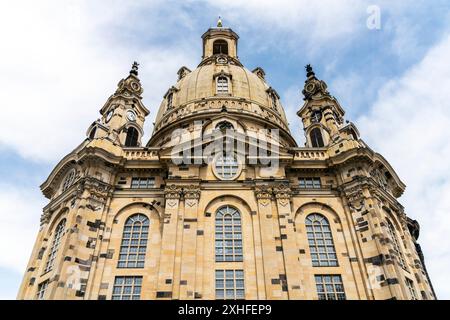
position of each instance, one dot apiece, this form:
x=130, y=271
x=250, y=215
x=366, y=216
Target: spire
x=309, y=71
x=134, y=68
x=314, y=88
x=219, y=23
x=131, y=85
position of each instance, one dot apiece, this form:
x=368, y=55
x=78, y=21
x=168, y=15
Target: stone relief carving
x=282, y=193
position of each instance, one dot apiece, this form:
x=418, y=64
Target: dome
x=220, y=84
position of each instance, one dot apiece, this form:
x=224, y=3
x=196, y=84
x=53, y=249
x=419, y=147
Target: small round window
x=226, y=167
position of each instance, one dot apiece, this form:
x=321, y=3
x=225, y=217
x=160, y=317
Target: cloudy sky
x=60, y=61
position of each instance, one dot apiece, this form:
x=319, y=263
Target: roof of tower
x=195, y=91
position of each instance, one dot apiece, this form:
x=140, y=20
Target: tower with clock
x=123, y=114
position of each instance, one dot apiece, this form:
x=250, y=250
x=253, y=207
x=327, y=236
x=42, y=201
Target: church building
x=221, y=202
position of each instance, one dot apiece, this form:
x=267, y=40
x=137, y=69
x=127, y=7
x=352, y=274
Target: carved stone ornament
x=282, y=193
x=314, y=88
x=45, y=217
x=192, y=192
x=264, y=194
x=173, y=192
x=355, y=194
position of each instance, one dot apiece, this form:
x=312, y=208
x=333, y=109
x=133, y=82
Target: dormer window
x=220, y=47
x=316, y=138
x=169, y=101
x=222, y=85
x=274, y=101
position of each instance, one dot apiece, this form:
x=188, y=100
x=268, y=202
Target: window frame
x=228, y=240
x=220, y=43
x=135, y=282
x=397, y=246
x=335, y=280
x=309, y=182
x=58, y=234
x=236, y=279
x=412, y=290
x=134, y=246
x=132, y=140
x=320, y=241
x=142, y=183
x=69, y=178
x=223, y=87
x=41, y=290
x=316, y=138
x=224, y=169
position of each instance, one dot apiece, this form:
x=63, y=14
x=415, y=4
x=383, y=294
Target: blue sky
x=60, y=62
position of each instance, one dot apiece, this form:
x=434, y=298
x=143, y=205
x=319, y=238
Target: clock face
x=109, y=116
x=135, y=86
x=131, y=115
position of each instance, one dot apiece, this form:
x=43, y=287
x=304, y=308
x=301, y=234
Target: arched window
x=320, y=239
x=220, y=47
x=224, y=125
x=396, y=244
x=228, y=235
x=134, y=242
x=222, y=85
x=92, y=133
x=316, y=138
x=58, y=233
x=68, y=180
x=132, y=137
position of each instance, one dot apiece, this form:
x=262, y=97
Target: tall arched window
x=316, y=138
x=58, y=233
x=320, y=239
x=220, y=47
x=228, y=235
x=222, y=85
x=134, y=242
x=132, y=137
x=396, y=244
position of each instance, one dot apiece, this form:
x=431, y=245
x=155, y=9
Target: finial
x=309, y=70
x=134, y=68
x=219, y=22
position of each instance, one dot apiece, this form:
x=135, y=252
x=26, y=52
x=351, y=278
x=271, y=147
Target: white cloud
x=302, y=24
x=61, y=62
x=19, y=223
x=408, y=123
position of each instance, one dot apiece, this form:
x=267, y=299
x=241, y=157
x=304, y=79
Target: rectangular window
x=127, y=288
x=142, y=183
x=330, y=287
x=230, y=284
x=412, y=291
x=222, y=85
x=41, y=290
x=309, y=183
